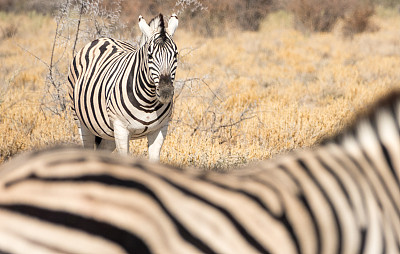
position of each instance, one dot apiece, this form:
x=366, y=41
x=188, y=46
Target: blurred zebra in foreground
x=341, y=197
x=121, y=93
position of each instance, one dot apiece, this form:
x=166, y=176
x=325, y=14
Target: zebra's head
x=161, y=54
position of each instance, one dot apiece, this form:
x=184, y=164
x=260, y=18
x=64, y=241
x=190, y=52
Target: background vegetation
x=255, y=79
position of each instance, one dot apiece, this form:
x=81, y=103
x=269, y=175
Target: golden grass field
x=247, y=96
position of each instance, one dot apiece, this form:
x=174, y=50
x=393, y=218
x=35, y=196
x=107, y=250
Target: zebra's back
x=98, y=202
x=341, y=197
x=115, y=205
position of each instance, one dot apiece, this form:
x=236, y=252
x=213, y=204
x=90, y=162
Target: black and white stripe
x=120, y=92
x=341, y=197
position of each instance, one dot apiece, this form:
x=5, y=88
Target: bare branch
x=35, y=56
x=189, y=51
x=77, y=27
x=201, y=80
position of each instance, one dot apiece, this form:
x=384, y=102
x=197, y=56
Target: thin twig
x=52, y=51
x=35, y=56
x=78, y=27
x=189, y=50
x=202, y=81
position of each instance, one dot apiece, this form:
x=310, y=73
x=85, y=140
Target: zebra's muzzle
x=165, y=89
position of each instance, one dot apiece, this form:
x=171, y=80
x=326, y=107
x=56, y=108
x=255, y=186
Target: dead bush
x=207, y=17
x=209, y=21
x=316, y=15
x=358, y=20
x=39, y=6
x=219, y=16
x=9, y=31
x=322, y=15
x=250, y=13
x=7, y=5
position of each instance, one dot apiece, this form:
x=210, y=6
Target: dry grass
x=255, y=94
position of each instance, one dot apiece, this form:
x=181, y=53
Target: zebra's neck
x=140, y=81
x=144, y=70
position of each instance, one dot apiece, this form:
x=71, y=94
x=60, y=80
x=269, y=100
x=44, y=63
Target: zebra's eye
x=150, y=56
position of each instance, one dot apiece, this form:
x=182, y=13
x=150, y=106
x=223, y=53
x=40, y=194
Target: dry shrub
x=210, y=22
x=387, y=3
x=316, y=15
x=39, y=6
x=247, y=15
x=9, y=31
x=208, y=17
x=7, y=5
x=322, y=15
x=358, y=19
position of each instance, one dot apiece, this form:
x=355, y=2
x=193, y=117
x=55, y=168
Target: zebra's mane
x=157, y=25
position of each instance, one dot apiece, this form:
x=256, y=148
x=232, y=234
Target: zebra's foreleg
x=87, y=137
x=122, y=135
x=155, y=141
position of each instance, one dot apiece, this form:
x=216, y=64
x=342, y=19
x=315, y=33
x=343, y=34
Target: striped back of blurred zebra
x=120, y=92
x=341, y=197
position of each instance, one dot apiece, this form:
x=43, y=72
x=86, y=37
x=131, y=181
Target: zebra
x=342, y=196
x=120, y=92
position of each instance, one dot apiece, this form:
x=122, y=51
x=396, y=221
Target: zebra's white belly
x=139, y=129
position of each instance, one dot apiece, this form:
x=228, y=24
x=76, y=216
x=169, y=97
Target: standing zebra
x=342, y=197
x=121, y=93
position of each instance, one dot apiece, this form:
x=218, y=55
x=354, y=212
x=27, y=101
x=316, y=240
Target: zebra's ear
x=172, y=24
x=144, y=27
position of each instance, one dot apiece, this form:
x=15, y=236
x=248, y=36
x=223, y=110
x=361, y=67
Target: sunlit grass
x=256, y=94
